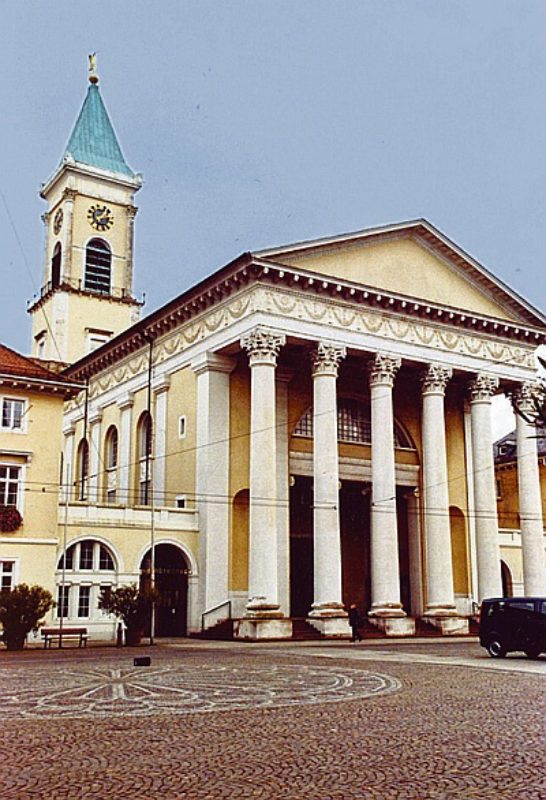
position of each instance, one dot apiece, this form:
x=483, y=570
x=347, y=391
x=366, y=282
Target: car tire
x=532, y=652
x=495, y=648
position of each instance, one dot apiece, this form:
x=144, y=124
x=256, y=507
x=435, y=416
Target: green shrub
x=21, y=611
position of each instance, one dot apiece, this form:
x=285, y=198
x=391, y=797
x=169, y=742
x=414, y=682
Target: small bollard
x=143, y=661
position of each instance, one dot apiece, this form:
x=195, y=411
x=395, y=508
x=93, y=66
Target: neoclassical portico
x=263, y=618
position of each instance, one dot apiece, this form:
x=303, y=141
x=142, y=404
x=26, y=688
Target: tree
x=21, y=611
x=132, y=605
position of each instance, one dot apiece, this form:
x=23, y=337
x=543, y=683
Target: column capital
x=161, y=384
x=212, y=362
x=263, y=345
x=382, y=369
x=69, y=194
x=69, y=429
x=482, y=388
x=126, y=401
x=527, y=398
x=326, y=358
x=95, y=416
x=435, y=378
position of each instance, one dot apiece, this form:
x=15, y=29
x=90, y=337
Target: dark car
x=513, y=623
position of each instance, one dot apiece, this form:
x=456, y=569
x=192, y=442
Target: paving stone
x=230, y=723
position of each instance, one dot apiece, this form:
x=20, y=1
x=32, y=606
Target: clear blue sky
x=261, y=122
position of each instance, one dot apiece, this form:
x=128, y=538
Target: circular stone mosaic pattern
x=141, y=691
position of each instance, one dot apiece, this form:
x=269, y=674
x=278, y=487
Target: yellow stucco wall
x=33, y=545
x=180, y=457
x=403, y=266
x=508, y=501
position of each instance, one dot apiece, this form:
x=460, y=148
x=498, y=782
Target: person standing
x=354, y=622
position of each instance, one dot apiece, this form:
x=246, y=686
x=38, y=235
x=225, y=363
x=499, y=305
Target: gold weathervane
x=93, y=77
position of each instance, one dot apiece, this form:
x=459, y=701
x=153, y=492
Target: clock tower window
x=98, y=266
x=56, y=266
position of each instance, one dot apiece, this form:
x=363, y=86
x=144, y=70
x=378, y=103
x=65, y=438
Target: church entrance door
x=171, y=582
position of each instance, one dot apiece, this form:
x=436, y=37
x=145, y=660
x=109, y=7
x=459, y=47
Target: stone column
x=440, y=606
x=327, y=613
x=212, y=478
x=125, y=405
x=160, y=389
x=482, y=388
x=68, y=476
x=283, y=490
x=96, y=467
x=69, y=195
x=530, y=502
x=128, y=272
x=386, y=611
x=263, y=619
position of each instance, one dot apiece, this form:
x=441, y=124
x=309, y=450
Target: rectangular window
x=6, y=574
x=182, y=427
x=83, y=601
x=10, y=478
x=86, y=555
x=180, y=501
x=12, y=414
x=62, y=601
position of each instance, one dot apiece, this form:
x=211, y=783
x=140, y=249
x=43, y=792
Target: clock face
x=100, y=218
x=58, y=221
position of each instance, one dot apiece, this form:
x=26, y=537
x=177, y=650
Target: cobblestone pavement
x=297, y=723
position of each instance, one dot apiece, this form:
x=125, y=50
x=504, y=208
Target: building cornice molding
x=280, y=304
x=307, y=286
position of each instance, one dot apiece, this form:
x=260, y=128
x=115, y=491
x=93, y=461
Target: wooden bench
x=49, y=634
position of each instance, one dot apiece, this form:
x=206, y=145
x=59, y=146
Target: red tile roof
x=12, y=363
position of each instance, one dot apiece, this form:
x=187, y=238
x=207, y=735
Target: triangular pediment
x=411, y=259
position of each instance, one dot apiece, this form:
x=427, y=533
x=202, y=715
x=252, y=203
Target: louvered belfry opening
x=98, y=266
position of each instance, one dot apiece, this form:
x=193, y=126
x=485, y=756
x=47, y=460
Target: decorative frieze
x=326, y=358
x=312, y=309
x=435, y=379
x=263, y=345
x=383, y=368
x=482, y=388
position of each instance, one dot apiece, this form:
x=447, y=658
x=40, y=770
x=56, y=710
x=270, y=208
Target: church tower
x=86, y=296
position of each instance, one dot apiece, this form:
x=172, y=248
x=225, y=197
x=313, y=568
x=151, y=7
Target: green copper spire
x=93, y=140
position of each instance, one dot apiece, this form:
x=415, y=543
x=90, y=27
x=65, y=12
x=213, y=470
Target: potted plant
x=21, y=611
x=132, y=605
x=10, y=519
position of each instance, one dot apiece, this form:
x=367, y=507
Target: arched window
x=98, y=266
x=82, y=470
x=353, y=425
x=111, y=464
x=144, y=453
x=56, y=266
x=89, y=567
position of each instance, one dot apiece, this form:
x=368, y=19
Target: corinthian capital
x=435, y=378
x=482, y=388
x=528, y=398
x=383, y=368
x=326, y=358
x=263, y=345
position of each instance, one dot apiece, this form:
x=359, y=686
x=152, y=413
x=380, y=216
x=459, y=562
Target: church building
x=307, y=428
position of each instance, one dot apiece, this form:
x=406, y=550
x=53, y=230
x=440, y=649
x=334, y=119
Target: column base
x=260, y=608
x=448, y=625
x=331, y=627
x=256, y=629
x=386, y=611
x=394, y=626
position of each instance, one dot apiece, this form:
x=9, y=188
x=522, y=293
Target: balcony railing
x=78, y=285
x=110, y=515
